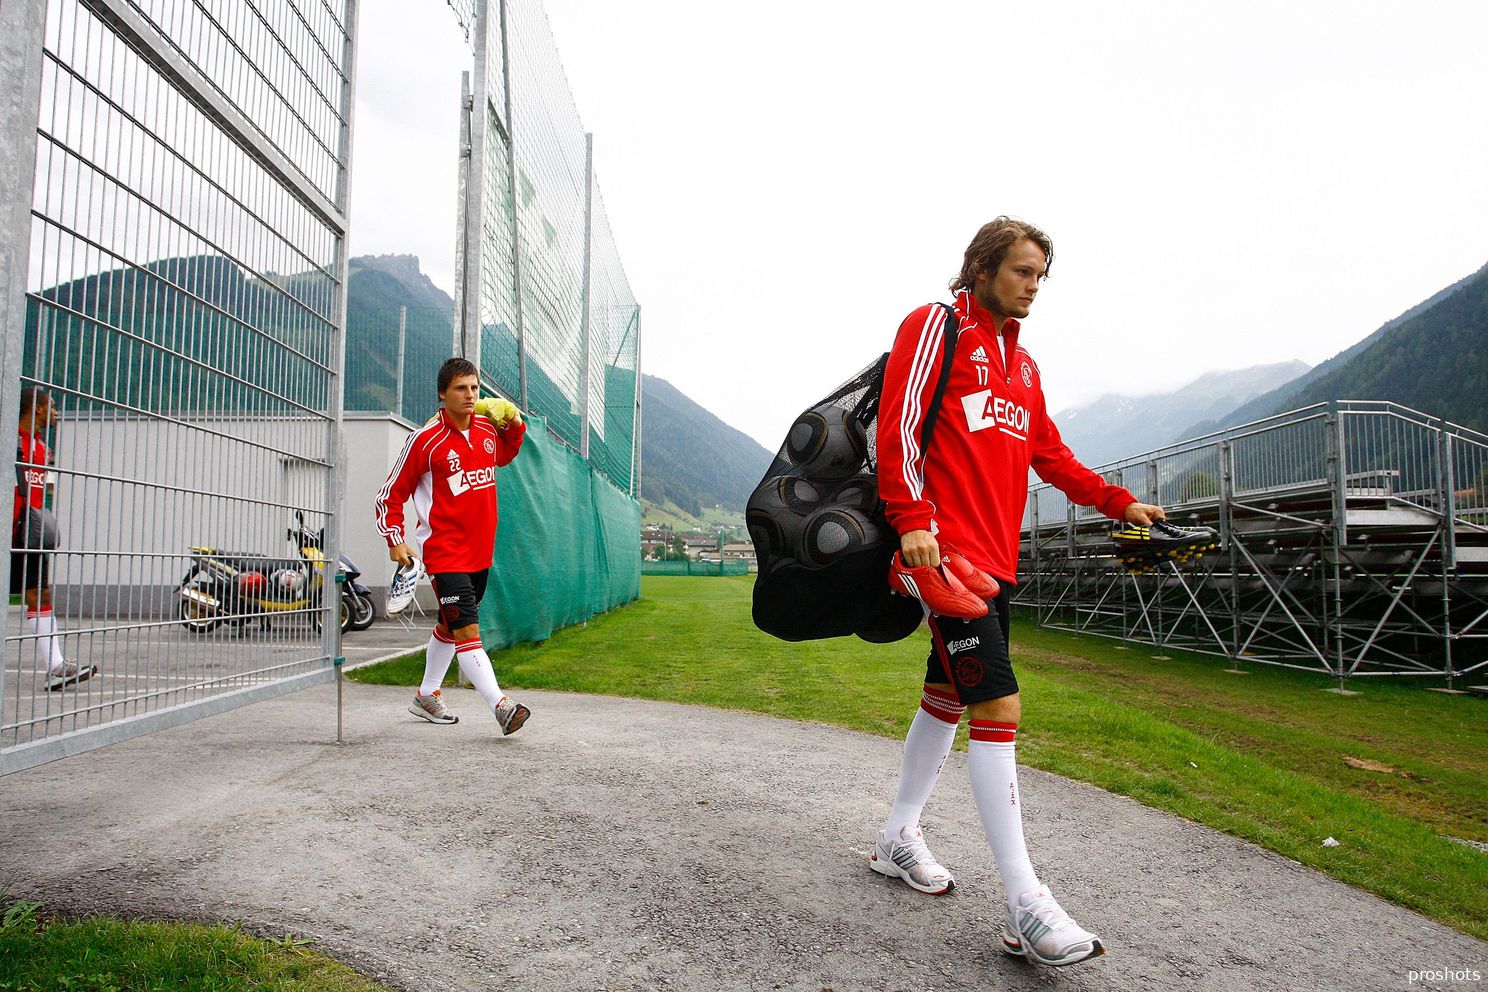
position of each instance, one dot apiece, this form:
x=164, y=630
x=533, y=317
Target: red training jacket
x=971, y=486
x=33, y=450
x=453, y=485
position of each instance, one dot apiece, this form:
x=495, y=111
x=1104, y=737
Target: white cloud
x=787, y=180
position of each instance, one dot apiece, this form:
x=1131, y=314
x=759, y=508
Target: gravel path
x=615, y=844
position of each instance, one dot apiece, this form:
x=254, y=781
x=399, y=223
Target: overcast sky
x=786, y=180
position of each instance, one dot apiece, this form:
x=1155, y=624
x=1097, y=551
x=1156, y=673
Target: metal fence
x=544, y=305
x=176, y=174
x=393, y=356
x=1356, y=543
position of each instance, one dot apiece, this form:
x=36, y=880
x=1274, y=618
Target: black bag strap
x=948, y=351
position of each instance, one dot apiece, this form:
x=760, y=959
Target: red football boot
x=976, y=581
x=937, y=588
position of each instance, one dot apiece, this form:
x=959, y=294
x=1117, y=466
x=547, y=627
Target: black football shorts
x=459, y=596
x=972, y=655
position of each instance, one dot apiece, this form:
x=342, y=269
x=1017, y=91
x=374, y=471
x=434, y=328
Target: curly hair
x=453, y=369
x=990, y=247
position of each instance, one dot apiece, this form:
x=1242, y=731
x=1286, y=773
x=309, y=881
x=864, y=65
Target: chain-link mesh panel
x=553, y=355
x=375, y=340
x=181, y=319
x=615, y=351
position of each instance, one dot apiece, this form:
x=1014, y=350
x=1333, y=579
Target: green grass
x=1260, y=756
x=101, y=954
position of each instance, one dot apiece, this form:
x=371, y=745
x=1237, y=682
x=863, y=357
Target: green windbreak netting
x=568, y=544
x=695, y=568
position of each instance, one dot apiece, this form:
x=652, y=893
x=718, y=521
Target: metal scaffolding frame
x=1355, y=543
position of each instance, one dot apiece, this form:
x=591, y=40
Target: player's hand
x=919, y=548
x=401, y=553
x=1143, y=514
x=501, y=412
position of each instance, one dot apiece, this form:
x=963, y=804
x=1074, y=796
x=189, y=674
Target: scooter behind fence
x=226, y=587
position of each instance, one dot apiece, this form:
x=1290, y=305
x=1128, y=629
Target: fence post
x=586, y=296
x=1446, y=472
x=1338, y=488
x=511, y=198
x=21, y=24
x=474, y=98
x=1227, y=538
x=402, y=350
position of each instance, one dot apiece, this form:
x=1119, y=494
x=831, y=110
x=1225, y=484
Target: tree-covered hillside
x=1433, y=358
x=692, y=458
x=1435, y=361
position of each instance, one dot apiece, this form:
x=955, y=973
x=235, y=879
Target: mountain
x=390, y=282
x=690, y=457
x=189, y=333
x=1115, y=426
x=377, y=286
x=1433, y=358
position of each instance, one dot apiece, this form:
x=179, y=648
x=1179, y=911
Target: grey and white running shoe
x=510, y=714
x=907, y=857
x=69, y=674
x=1040, y=930
x=432, y=708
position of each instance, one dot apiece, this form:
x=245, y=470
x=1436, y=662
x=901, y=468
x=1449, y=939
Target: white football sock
x=477, y=668
x=43, y=623
x=437, y=658
x=931, y=734
x=992, y=762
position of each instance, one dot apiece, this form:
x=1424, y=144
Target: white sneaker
x=431, y=708
x=68, y=674
x=511, y=715
x=1042, y=931
x=404, y=585
x=907, y=857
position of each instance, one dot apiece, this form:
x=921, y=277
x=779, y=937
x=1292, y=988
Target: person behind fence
x=448, y=468
x=33, y=538
x=966, y=491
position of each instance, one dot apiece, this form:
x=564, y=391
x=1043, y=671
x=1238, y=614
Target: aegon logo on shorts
x=984, y=410
x=35, y=476
x=444, y=600
x=480, y=478
x=965, y=644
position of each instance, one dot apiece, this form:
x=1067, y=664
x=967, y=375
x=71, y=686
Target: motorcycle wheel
x=316, y=614
x=362, y=612
x=197, y=618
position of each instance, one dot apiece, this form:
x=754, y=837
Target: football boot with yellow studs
x=1142, y=549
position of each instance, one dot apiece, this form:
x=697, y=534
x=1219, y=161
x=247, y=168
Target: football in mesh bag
x=827, y=442
x=800, y=495
x=765, y=534
x=773, y=517
x=859, y=492
x=831, y=534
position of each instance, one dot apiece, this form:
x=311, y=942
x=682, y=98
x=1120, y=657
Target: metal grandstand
x=1355, y=543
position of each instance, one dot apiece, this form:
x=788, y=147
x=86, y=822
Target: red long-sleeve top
x=31, y=450
x=971, y=485
x=452, y=481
